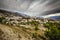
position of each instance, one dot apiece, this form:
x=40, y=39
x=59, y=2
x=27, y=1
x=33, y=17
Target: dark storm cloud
x=54, y=6
x=44, y=7
x=32, y=7
x=52, y=11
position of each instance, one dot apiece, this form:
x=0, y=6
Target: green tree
x=53, y=32
x=36, y=23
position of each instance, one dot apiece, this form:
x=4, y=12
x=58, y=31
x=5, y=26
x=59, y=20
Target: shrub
x=1, y=18
x=36, y=25
x=35, y=36
x=53, y=32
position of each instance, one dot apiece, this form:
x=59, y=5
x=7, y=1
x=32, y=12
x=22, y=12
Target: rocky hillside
x=14, y=33
x=17, y=27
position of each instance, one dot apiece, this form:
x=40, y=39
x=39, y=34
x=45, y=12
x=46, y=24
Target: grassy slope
x=14, y=33
x=18, y=33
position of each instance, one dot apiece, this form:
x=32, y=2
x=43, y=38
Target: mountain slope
x=9, y=13
x=13, y=33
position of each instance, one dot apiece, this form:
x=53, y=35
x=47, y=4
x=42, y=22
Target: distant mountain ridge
x=55, y=16
x=14, y=13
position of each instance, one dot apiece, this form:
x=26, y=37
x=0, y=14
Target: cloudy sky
x=32, y=7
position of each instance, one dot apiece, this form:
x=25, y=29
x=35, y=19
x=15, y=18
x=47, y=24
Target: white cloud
x=30, y=7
